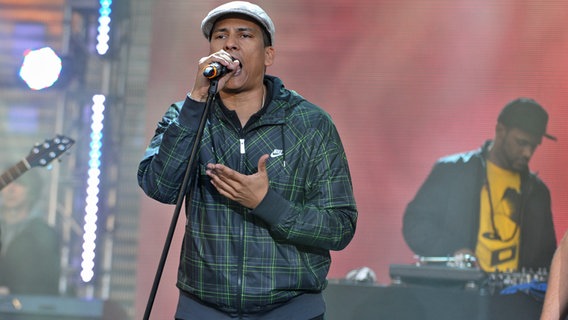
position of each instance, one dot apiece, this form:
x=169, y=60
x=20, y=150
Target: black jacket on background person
x=444, y=215
x=30, y=262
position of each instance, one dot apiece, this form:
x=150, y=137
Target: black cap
x=526, y=114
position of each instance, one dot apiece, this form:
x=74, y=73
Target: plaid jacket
x=242, y=260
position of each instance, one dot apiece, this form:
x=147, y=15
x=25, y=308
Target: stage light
x=93, y=190
x=40, y=68
x=103, y=37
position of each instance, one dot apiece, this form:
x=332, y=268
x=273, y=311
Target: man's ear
x=269, y=55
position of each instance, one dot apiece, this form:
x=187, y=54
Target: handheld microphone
x=215, y=70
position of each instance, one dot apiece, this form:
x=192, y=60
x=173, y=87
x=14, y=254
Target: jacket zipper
x=242, y=234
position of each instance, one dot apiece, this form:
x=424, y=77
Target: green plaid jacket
x=242, y=260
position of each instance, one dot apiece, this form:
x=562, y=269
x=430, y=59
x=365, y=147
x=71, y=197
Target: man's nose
x=231, y=43
x=528, y=151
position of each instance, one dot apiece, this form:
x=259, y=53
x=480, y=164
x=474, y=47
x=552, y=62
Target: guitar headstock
x=43, y=153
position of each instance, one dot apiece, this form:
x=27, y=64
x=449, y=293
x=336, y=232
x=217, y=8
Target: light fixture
x=41, y=68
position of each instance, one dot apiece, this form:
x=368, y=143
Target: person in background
x=272, y=194
x=30, y=253
x=556, y=299
x=486, y=202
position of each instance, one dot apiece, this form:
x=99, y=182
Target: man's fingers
x=222, y=185
x=262, y=163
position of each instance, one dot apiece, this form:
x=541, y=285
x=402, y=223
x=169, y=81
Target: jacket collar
x=272, y=113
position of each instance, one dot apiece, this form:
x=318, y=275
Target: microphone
x=215, y=70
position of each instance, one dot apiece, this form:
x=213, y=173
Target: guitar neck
x=13, y=173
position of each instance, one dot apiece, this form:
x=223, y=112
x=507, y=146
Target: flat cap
x=238, y=7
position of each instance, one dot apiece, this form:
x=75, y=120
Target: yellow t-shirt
x=498, y=239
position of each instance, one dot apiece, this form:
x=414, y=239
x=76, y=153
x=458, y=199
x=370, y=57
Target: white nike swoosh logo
x=276, y=153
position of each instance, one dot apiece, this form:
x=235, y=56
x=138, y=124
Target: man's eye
x=524, y=143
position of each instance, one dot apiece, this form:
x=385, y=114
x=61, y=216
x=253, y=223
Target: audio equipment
x=39, y=307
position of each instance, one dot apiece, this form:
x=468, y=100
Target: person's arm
x=326, y=217
x=162, y=168
x=556, y=300
x=540, y=240
x=433, y=222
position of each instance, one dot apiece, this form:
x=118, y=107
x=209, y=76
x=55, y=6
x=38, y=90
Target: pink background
x=405, y=81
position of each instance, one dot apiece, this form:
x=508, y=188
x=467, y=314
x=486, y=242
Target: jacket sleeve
x=326, y=217
x=442, y=217
x=538, y=236
x=163, y=166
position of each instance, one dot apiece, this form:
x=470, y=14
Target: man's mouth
x=239, y=68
